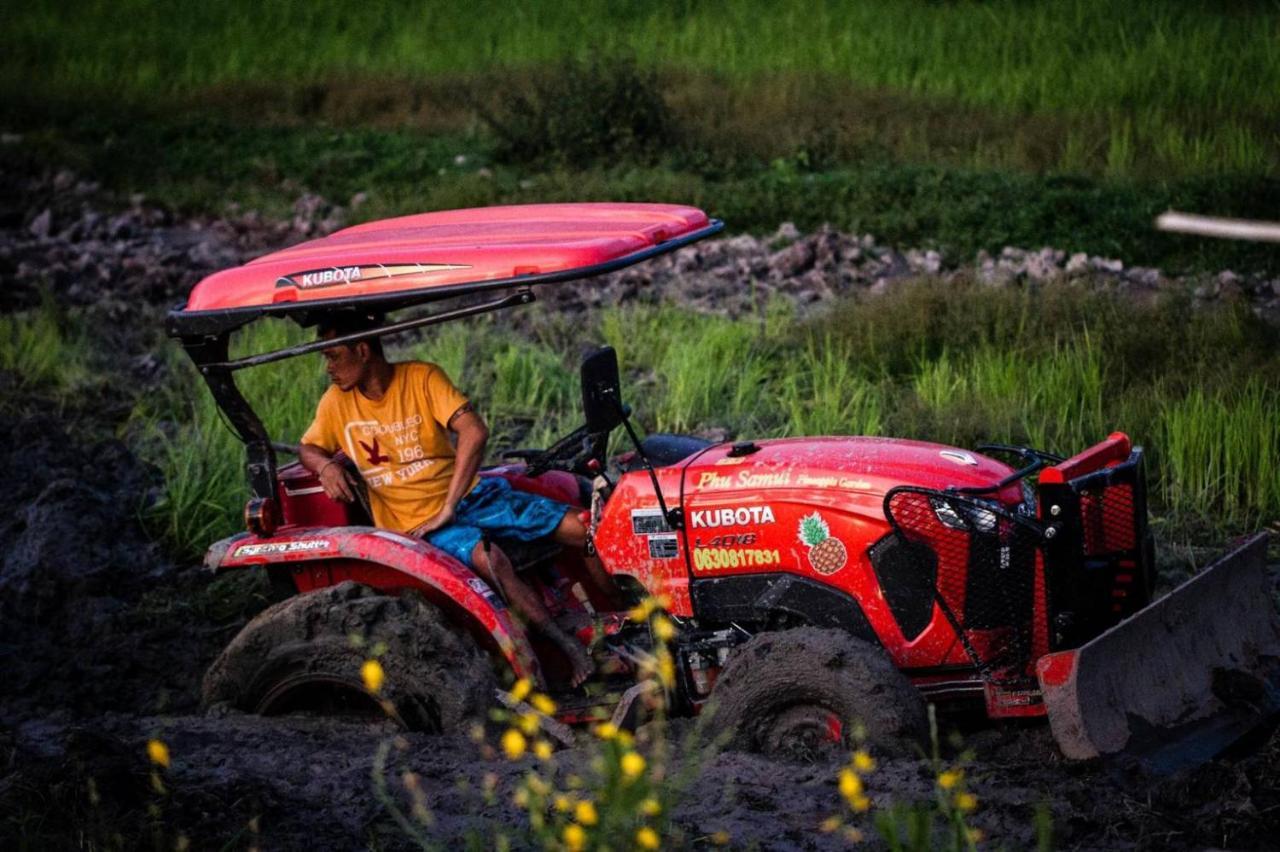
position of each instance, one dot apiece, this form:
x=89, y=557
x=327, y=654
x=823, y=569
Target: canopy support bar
x=210, y=356
x=521, y=297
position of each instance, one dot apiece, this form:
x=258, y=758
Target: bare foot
x=579, y=660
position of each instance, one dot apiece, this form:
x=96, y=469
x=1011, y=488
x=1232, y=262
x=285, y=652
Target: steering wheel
x=570, y=453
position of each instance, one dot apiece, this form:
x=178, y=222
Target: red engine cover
x=807, y=506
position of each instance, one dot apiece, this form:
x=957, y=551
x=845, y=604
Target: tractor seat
x=664, y=450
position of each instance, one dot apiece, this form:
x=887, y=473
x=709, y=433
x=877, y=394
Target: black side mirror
x=601, y=393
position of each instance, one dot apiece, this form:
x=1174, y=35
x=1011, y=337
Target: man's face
x=346, y=365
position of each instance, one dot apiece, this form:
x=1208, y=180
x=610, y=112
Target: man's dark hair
x=342, y=323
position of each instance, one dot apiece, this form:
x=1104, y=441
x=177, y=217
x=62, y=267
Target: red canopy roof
x=436, y=255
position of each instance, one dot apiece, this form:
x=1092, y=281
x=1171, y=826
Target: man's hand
x=433, y=523
x=337, y=482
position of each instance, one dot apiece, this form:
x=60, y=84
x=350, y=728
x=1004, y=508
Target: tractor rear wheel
x=800, y=695
x=300, y=656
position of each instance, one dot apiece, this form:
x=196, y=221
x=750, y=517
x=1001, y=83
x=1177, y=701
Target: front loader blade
x=1181, y=679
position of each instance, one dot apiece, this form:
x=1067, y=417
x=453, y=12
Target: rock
x=787, y=233
x=1043, y=265
x=41, y=225
x=1228, y=287
x=1103, y=264
x=1143, y=276
x=1078, y=264
x=793, y=260
x=928, y=262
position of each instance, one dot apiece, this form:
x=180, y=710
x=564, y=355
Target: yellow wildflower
x=574, y=837
x=647, y=838
x=861, y=804
x=666, y=670
x=632, y=765
x=663, y=629
x=521, y=798
x=966, y=801
x=543, y=704
x=950, y=778
x=974, y=834
x=625, y=739
x=542, y=749
x=514, y=744
x=651, y=807
x=521, y=689
x=528, y=723
x=158, y=752
x=642, y=610
x=863, y=762
x=830, y=824
x=606, y=731
x=585, y=813
x=372, y=675
x=720, y=838
x=563, y=804
x=850, y=784
x=853, y=835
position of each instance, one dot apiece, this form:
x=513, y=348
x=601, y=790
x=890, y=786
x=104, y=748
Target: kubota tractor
x=814, y=582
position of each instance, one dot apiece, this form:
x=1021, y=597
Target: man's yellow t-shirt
x=400, y=443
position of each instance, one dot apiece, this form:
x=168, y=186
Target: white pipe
x=1214, y=226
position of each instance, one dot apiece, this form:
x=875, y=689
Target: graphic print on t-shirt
x=372, y=453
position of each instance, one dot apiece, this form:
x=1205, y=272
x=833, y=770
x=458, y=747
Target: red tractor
x=812, y=581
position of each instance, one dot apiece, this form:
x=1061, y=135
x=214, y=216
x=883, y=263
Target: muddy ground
x=104, y=638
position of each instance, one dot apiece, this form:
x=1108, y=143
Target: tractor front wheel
x=306, y=653
x=802, y=694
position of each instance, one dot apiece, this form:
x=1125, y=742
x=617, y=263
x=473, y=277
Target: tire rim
x=805, y=733
x=325, y=695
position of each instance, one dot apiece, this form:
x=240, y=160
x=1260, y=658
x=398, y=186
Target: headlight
x=963, y=515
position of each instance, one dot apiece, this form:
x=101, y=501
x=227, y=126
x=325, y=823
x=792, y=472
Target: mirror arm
x=674, y=517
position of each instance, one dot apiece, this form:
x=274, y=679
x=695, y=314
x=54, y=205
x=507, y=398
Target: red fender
x=387, y=561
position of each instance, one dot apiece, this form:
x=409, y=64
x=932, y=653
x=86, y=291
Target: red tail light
x=261, y=516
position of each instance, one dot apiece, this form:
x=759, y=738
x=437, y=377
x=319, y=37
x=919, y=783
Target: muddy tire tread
x=436, y=677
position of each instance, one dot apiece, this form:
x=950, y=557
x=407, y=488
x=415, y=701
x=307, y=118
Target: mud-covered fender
x=318, y=557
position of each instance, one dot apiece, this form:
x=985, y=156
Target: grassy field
x=961, y=125
x=1194, y=85
x=963, y=366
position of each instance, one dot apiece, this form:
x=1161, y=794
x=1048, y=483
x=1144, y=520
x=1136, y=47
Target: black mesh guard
x=1100, y=559
x=986, y=558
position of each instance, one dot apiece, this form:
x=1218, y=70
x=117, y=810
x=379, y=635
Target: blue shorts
x=496, y=509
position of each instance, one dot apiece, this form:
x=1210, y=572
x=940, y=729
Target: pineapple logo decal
x=827, y=555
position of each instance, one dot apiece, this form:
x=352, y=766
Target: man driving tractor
x=394, y=420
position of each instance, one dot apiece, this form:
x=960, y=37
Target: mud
x=103, y=640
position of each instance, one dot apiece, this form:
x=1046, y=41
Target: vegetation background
x=956, y=125
x=960, y=125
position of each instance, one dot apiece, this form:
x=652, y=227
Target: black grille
x=986, y=561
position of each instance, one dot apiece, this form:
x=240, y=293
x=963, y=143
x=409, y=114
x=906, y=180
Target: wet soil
x=104, y=640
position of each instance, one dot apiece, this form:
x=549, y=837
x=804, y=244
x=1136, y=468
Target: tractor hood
x=866, y=466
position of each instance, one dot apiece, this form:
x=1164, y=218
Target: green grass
x=958, y=364
x=45, y=349
x=1142, y=88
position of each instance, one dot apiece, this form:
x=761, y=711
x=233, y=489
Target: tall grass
x=962, y=365
x=1222, y=445
x=45, y=347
